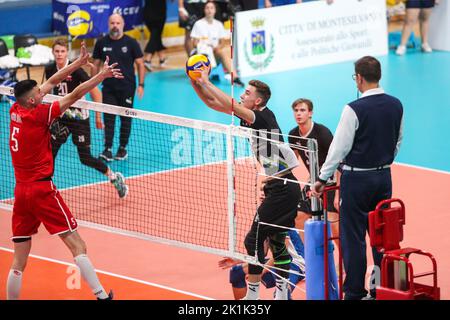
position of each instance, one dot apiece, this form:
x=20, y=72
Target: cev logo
x=126, y=11
x=79, y=23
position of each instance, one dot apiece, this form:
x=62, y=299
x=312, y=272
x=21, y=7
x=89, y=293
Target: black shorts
x=79, y=128
x=305, y=203
x=279, y=206
x=196, y=12
x=420, y=4
x=243, y=5
x=121, y=98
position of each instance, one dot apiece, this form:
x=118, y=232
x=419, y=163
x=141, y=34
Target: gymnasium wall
x=35, y=16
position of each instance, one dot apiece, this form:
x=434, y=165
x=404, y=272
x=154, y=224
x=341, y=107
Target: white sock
x=281, y=292
x=14, y=284
x=111, y=175
x=252, y=291
x=89, y=275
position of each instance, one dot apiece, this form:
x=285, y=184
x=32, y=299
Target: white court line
x=6, y=207
x=421, y=168
x=116, y=275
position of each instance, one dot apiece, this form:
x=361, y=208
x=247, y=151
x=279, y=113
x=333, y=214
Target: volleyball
x=196, y=62
x=79, y=23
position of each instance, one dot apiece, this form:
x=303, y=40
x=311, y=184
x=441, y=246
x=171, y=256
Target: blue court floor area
x=420, y=81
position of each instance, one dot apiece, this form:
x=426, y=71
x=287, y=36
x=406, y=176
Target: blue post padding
x=268, y=279
x=314, y=259
x=395, y=37
x=237, y=277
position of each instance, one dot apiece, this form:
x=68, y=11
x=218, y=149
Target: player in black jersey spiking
x=279, y=206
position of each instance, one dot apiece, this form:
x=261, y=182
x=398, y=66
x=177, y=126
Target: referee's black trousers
x=121, y=98
x=360, y=192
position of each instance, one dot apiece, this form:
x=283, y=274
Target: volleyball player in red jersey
x=36, y=198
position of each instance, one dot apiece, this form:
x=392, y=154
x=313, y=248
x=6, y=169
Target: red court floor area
x=133, y=265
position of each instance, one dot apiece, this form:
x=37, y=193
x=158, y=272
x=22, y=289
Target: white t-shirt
x=209, y=33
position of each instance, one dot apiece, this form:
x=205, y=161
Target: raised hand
x=204, y=74
x=110, y=71
x=83, y=58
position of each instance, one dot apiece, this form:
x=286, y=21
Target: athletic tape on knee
x=237, y=277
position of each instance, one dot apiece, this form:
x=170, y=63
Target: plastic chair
x=3, y=48
x=7, y=76
x=396, y=37
x=24, y=41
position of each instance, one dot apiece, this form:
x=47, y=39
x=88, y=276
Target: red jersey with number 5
x=29, y=142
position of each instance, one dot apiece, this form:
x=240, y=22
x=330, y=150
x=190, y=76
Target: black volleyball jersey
x=68, y=85
x=323, y=136
x=268, y=143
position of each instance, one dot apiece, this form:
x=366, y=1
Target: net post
x=231, y=192
x=314, y=172
x=325, y=245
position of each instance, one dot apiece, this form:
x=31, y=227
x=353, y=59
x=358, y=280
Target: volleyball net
x=191, y=183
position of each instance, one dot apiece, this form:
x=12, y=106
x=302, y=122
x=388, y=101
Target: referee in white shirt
x=367, y=139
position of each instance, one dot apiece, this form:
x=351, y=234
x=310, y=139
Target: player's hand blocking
x=110, y=71
x=83, y=58
x=204, y=74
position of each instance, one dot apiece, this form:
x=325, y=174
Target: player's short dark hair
x=262, y=90
x=305, y=101
x=369, y=68
x=60, y=42
x=23, y=87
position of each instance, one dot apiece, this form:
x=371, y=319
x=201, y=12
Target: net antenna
x=232, y=67
x=230, y=156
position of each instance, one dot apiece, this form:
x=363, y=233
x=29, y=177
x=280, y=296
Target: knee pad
x=279, y=250
x=268, y=279
x=250, y=245
x=237, y=277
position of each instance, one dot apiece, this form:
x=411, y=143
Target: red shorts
x=37, y=202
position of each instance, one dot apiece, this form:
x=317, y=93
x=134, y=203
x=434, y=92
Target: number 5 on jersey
x=14, y=142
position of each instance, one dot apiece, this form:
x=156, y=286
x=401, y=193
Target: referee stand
x=397, y=274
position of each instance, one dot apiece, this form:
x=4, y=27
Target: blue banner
x=90, y=20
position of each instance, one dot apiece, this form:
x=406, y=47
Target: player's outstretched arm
x=62, y=74
x=96, y=96
x=108, y=71
x=218, y=100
